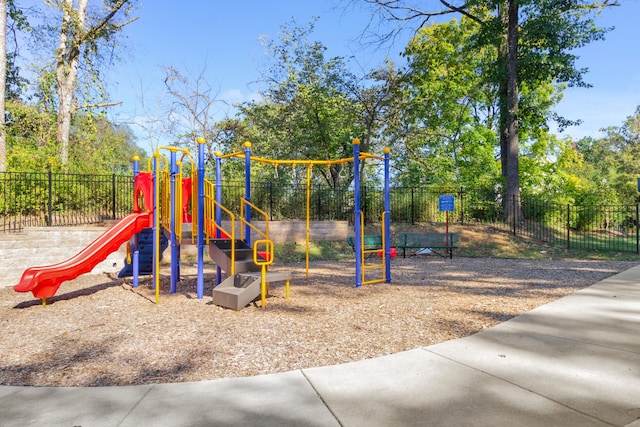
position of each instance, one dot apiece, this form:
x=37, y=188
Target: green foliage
x=311, y=108
x=612, y=161
x=448, y=132
x=30, y=138
x=98, y=146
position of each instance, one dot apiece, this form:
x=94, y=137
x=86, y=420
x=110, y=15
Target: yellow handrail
x=264, y=234
x=165, y=199
x=263, y=263
x=210, y=223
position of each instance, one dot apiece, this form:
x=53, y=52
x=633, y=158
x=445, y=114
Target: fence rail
x=45, y=199
x=48, y=199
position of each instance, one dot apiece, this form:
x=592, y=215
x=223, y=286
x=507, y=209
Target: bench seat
x=371, y=242
x=431, y=240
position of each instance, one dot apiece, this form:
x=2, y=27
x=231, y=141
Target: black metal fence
x=47, y=199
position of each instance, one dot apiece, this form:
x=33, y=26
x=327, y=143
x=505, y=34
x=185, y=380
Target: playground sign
x=446, y=203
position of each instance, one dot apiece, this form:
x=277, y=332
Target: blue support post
x=356, y=220
x=387, y=210
x=247, y=191
x=135, y=258
x=200, y=280
x=218, y=211
x=175, y=255
x=156, y=222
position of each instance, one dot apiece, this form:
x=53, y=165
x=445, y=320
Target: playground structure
x=164, y=201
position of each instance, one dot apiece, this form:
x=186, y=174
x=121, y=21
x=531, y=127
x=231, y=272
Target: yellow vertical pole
x=263, y=289
x=308, y=224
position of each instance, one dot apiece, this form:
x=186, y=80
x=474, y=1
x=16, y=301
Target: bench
x=372, y=242
x=431, y=241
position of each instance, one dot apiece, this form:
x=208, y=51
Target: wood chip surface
x=99, y=331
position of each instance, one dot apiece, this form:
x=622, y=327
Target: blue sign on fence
x=446, y=202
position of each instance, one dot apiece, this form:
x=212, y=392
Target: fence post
x=637, y=237
x=364, y=205
x=113, y=196
x=271, y=200
x=568, y=226
x=413, y=218
x=461, y=206
x=50, y=201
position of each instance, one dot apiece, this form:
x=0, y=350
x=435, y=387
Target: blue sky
x=222, y=38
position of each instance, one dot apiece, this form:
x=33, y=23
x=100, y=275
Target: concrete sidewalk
x=573, y=362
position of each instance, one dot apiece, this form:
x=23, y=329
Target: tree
x=313, y=106
x=81, y=32
x=613, y=159
x=31, y=138
x=536, y=47
x=448, y=125
x=3, y=83
x=194, y=106
x=9, y=78
x=100, y=146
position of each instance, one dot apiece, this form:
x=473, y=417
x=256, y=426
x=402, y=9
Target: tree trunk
x=503, y=49
x=3, y=84
x=67, y=57
x=512, y=206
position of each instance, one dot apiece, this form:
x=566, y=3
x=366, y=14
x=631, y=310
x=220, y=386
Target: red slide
x=44, y=281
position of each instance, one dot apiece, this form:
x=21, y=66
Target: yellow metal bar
x=370, y=156
x=194, y=206
x=294, y=162
x=268, y=244
x=308, y=220
x=177, y=208
x=230, y=233
x=301, y=162
x=364, y=252
x=209, y=198
x=263, y=234
x=226, y=156
x=156, y=154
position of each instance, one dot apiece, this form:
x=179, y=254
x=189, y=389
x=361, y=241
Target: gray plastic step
x=241, y=289
x=220, y=253
x=237, y=291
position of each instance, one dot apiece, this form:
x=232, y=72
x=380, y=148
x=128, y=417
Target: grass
x=475, y=242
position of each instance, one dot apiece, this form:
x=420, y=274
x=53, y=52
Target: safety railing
x=263, y=259
x=245, y=204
